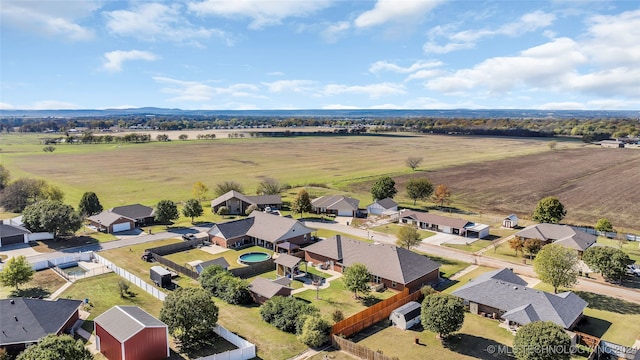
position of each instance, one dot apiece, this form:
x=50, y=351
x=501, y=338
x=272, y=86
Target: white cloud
x=395, y=10
x=567, y=105
x=289, y=85
x=605, y=104
x=372, y=90
x=159, y=22
x=334, y=31
x=114, y=59
x=340, y=107
x=49, y=18
x=615, y=39
x=53, y=105
x=5, y=106
x=261, y=12
x=379, y=66
x=276, y=73
x=434, y=48
x=184, y=90
x=424, y=74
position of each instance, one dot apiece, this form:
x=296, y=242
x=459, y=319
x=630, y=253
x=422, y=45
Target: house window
x=375, y=279
x=393, y=284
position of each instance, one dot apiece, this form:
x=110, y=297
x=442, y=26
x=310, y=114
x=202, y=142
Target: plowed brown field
x=590, y=182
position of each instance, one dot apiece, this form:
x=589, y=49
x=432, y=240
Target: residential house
x=454, y=226
x=262, y=289
x=25, y=321
x=238, y=203
x=271, y=231
x=383, y=207
x=614, y=144
x=338, y=205
x=563, y=235
x=12, y=234
x=406, y=316
x=130, y=333
x=501, y=294
x=109, y=222
x=142, y=215
x=390, y=266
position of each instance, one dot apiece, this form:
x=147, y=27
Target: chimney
x=339, y=246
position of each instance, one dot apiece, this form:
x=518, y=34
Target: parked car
x=187, y=237
x=633, y=269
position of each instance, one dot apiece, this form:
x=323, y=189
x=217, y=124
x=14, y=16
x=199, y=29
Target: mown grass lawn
x=448, y=266
x=505, y=252
x=632, y=248
x=466, y=277
x=394, y=229
x=471, y=247
x=44, y=283
x=475, y=340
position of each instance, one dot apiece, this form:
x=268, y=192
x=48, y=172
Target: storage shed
x=406, y=316
x=510, y=221
x=130, y=333
x=160, y=276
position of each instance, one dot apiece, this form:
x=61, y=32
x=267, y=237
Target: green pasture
x=146, y=173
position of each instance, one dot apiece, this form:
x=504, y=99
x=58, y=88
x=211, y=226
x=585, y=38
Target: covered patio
x=288, y=266
x=286, y=247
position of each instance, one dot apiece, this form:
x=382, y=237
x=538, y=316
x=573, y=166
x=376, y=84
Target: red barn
x=130, y=333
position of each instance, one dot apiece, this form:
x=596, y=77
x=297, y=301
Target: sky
x=320, y=54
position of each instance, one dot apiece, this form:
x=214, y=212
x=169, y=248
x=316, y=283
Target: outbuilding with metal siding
x=130, y=333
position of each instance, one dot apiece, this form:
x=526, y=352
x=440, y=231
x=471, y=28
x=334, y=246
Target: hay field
x=146, y=173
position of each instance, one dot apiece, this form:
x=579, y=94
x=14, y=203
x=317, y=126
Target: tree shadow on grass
x=477, y=347
x=607, y=303
x=369, y=300
x=593, y=326
x=63, y=243
x=34, y=292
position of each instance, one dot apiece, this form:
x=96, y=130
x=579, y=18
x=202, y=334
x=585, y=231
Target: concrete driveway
x=17, y=250
x=442, y=238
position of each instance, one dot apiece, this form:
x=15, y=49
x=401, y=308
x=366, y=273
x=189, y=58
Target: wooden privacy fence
x=360, y=351
x=253, y=269
x=373, y=314
x=175, y=266
x=174, y=248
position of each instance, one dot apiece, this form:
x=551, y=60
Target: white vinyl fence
x=132, y=278
x=245, y=350
x=45, y=264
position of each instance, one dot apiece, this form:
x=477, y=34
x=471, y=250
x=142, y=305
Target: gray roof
x=265, y=287
x=507, y=292
x=222, y=262
x=35, y=318
x=107, y=218
x=336, y=202
x=410, y=310
x=11, y=230
x=249, y=199
x=287, y=260
x=386, y=203
x=123, y=322
x=387, y=261
x=134, y=211
x=160, y=270
x=264, y=226
x=434, y=219
x=564, y=235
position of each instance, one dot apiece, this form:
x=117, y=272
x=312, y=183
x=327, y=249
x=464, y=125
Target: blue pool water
x=254, y=257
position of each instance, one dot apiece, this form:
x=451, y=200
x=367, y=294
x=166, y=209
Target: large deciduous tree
x=269, y=186
x=287, y=313
x=166, y=211
x=442, y=314
x=89, y=204
x=356, y=278
x=301, y=203
x=315, y=331
x=442, y=195
x=419, y=189
x=51, y=216
x=4, y=177
x=557, y=265
x=191, y=315
x=192, y=209
x=532, y=246
x=226, y=186
x=610, y=262
x=516, y=243
x=604, y=225
x=200, y=191
x=383, y=188
x=542, y=340
x=56, y=347
x=21, y=193
x=413, y=162
x=549, y=210
x=408, y=237
x=16, y=271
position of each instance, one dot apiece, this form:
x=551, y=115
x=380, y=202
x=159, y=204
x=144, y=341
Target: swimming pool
x=254, y=257
x=72, y=269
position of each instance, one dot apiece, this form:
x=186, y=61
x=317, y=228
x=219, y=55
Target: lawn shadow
x=369, y=300
x=445, y=284
x=477, y=347
x=607, y=303
x=59, y=244
x=34, y=292
x=371, y=330
x=593, y=326
x=441, y=260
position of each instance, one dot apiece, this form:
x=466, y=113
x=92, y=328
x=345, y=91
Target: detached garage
x=130, y=333
x=406, y=316
x=11, y=234
x=111, y=222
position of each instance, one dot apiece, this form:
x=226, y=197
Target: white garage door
x=121, y=227
x=345, y=213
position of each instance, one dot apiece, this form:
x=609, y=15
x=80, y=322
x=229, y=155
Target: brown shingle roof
x=563, y=235
x=435, y=219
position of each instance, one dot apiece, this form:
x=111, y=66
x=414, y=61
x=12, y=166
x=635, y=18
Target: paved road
x=443, y=251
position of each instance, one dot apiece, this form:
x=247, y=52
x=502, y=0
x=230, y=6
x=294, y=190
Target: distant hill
x=352, y=114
